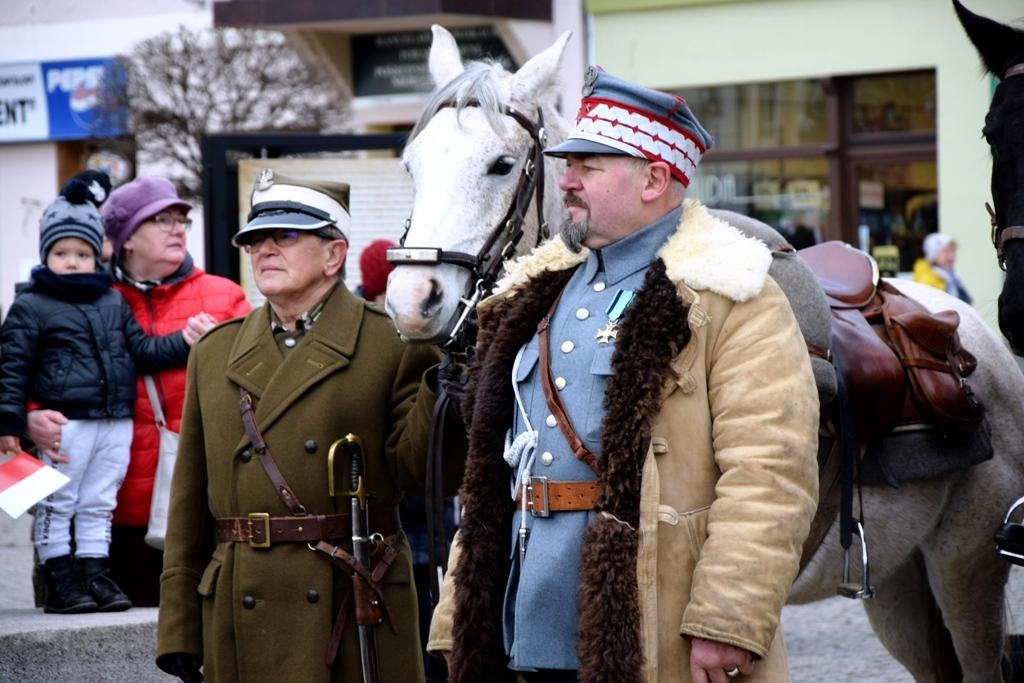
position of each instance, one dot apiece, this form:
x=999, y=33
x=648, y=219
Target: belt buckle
x=262, y=518
x=544, y=508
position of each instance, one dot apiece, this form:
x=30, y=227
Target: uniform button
x=599, y=286
x=560, y=383
x=582, y=314
x=567, y=346
x=551, y=421
x=248, y=602
x=311, y=446
x=546, y=459
x=312, y=595
x=289, y=342
x=245, y=456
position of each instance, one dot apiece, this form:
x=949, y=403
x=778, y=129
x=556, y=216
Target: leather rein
x=504, y=237
x=1000, y=236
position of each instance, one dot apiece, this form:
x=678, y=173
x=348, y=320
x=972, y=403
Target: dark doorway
x=221, y=154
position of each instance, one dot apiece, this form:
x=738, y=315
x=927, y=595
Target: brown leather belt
x=259, y=529
x=544, y=497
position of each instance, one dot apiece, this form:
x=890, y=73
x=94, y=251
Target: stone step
x=70, y=648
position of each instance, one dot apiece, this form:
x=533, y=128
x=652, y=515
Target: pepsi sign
x=56, y=101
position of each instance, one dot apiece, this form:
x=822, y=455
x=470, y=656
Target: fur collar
x=704, y=253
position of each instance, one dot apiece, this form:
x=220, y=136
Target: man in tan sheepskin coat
x=650, y=391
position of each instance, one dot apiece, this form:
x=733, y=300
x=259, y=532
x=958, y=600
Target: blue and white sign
x=55, y=101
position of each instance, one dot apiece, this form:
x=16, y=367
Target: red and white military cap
x=619, y=117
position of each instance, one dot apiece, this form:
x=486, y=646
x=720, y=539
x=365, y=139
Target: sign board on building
x=55, y=101
x=396, y=63
x=888, y=258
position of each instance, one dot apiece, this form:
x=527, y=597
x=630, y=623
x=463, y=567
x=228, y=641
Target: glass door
x=897, y=205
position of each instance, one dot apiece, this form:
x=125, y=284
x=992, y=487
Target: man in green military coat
x=244, y=594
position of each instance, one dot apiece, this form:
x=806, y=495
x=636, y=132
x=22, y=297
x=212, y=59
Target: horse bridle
x=485, y=266
x=1000, y=236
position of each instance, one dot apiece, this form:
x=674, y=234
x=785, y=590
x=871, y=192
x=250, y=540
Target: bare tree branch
x=184, y=84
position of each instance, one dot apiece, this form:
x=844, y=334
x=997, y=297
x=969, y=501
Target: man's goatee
x=572, y=234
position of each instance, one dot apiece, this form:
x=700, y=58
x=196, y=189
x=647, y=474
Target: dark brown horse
x=1002, y=51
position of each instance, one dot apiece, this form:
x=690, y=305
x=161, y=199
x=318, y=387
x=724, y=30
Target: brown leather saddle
x=904, y=364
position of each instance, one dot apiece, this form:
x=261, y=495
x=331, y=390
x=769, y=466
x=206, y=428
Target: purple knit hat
x=134, y=203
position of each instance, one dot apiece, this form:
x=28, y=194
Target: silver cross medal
x=615, y=310
x=608, y=332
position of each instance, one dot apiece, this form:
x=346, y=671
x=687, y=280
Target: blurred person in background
x=375, y=269
x=147, y=222
x=936, y=268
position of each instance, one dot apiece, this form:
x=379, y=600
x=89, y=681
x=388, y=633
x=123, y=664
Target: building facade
x=857, y=120
x=51, y=54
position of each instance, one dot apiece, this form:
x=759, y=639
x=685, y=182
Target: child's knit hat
x=71, y=215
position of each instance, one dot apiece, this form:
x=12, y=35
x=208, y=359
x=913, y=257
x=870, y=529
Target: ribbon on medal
x=615, y=309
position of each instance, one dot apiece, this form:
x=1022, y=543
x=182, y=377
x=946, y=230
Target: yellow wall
x=711, y=43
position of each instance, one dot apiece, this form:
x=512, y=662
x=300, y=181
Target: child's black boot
x=94, y=577
x=63, y=595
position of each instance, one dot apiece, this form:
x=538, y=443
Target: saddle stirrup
x=1010, y=536
x=849, y=589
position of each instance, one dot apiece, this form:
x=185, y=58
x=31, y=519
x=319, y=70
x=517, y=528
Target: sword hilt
x=352, y=447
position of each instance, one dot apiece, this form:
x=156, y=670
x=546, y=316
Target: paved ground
x=832, y=641
x=827, y=641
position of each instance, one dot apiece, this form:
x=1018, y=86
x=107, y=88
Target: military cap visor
x=293, y=207
x=582, y=146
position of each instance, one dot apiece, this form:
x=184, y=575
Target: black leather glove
x=184, y=665
x=452, y=377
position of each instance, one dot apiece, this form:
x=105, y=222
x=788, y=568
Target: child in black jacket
x=68, y=344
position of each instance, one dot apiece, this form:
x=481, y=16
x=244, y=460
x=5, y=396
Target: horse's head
x=1002, y=51
x=470, y=150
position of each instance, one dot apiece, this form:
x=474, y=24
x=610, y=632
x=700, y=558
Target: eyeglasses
x=282, y=237
x=166, y=222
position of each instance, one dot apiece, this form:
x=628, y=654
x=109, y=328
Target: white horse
x=931, y=541
x=465, y=161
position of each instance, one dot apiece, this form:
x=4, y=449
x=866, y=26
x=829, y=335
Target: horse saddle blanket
x=902, y=364
x=913, y=454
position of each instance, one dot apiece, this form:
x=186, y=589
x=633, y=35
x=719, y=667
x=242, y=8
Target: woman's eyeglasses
x=166, y=222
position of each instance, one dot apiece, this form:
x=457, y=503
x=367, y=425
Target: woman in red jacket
x=146, y=223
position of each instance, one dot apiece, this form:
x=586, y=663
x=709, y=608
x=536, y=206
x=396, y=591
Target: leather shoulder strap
x=554, y=401
x=262, y=450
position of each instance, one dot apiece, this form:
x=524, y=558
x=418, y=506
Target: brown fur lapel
x=609, y=644
x=479, y=653
x=653, y=332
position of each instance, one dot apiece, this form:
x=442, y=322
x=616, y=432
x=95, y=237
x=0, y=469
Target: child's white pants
x=98, y=451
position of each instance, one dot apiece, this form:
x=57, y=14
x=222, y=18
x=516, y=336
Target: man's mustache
x=573, y=200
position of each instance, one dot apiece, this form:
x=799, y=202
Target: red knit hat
x=374, y=266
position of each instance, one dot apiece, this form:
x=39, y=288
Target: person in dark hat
x=259, y=535
x=71, y=344
x=643, y=431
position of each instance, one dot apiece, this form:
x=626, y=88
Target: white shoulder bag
x=164, y=471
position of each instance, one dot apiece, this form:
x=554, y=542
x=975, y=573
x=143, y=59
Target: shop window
x=898, y=205
x=762, y=115
x=850, y=158
x=900, y=103
x=790, y=194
